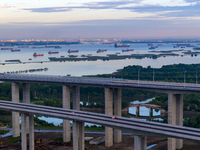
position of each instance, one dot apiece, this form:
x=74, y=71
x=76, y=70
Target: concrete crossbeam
x=140, y=142
x=175, y=117
x=66, y=105
x=117, y=112
x=108, y=111
x=23, y=131
x=26, y=99
x=15, y=115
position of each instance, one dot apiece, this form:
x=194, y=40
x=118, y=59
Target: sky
x=125, y=19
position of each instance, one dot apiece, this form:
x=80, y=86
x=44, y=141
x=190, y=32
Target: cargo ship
x=57, y=47
x=106, y=43
x=152, y=47
x=35, y=54
x=121, y=45
x=70, y=51
x=101, y=51
x=150, y=44
x=24, y=46
x=50, y=52
x=37, y=47
x=15, y=50
x=127, y=50
x=47, y=46
x=6, y=48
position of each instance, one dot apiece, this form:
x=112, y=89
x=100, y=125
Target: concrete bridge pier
x=15, y=115
x=24, y=131
x=117, y=112
x=140, y=142
x=78, y=127
x=175, y=117
x=66, y=105
x=150, y=112
x=108, y=111
x=137, y=111
x=26, y=99
x=31, y=132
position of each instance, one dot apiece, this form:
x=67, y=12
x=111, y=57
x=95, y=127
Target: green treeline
x=168, y=73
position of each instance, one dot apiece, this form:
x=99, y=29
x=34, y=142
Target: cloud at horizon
x=118, y=18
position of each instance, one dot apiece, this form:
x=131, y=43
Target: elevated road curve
x=163, y=87
x=126, y=124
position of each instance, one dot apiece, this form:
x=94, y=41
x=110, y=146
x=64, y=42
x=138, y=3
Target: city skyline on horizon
x=90, y=19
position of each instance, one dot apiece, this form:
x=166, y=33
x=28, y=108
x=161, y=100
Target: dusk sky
x=128, y=19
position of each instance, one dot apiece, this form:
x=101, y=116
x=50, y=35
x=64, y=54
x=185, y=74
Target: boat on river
x=35, y=54
x=101, y=50
x=74, y=51
x=15, y=50
x=121, y=45
x=50, y=52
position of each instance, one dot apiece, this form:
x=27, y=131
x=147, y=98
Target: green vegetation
x=193, y=121
x=3, y=131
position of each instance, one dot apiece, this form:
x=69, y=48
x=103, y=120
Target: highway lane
x=131, y=125
x=164, y=87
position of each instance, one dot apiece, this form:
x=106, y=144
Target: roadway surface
x=135, y=126
x=163, y=87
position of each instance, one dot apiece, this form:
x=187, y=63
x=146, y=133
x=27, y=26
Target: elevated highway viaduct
x=112, y=88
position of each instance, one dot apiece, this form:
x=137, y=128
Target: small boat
x=35, y=54
x=15, y=50
x=70, y=51
x=100, y=51
x=127, y=50
x=50, y=52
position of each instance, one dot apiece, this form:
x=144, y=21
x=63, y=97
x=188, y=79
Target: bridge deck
x=163, y=87
x=138, y=127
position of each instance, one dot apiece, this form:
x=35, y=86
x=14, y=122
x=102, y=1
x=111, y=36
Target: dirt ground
x=126, y=144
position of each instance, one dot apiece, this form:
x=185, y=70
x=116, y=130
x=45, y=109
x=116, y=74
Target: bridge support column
x=137, y=111
x=175, y=117
x=23, y=131
x=15, y=115
x=150, y=112
x=66, y=105
x=26, y=99
x=140, y=142
x=108, y=111
x=31, y=132
x=117, y=112
x=78, y=127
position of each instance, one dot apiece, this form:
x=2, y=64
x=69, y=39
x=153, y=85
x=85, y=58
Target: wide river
x=90, y=67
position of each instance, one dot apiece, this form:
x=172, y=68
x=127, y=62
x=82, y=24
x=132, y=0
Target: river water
x=90, y=67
